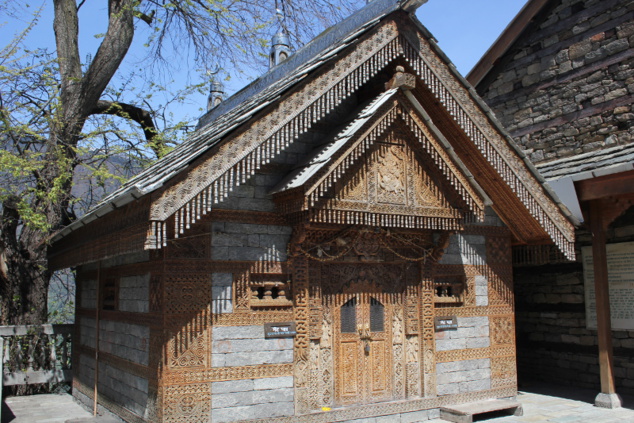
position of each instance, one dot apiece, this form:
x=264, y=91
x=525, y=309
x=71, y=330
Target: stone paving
x=541, y=404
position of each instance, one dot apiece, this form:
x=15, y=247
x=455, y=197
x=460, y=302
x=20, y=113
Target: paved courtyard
x=541, y=404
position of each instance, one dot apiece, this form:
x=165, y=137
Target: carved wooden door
x=364, y=347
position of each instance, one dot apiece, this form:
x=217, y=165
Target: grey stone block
x=478, y=343
x=476, y=385
x=232, y=399
x=237, y=332
x=221, y=279
x=273, y=383
x=273, y=395
x=242, y=385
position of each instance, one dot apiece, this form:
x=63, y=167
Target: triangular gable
x=214, y=163
x=386, y=168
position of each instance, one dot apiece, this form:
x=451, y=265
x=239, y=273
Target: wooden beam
x=605, y=186
x=601, y=289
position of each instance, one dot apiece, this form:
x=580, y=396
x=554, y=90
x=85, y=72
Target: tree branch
x=146, y=18
x=137, y=114
x=111, y=52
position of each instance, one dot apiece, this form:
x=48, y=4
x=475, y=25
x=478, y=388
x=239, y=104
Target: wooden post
x=607, y=398
x=97, y=308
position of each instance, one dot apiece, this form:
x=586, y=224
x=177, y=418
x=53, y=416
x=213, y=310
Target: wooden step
x=464, y=413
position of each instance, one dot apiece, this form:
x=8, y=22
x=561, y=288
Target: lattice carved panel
x=187, y=403
x=188, y=345
x=188, y=294
x=503, y=372
x=389, y=179
x=502, y=330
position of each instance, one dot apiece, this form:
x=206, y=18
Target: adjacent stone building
x=332, y=243
x=561, y=81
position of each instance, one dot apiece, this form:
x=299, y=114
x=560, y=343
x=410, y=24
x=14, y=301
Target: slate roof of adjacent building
x=590, y=165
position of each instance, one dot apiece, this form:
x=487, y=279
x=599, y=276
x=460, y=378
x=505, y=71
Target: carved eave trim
x=228, y=165
x=480, y=141
x=379, y=123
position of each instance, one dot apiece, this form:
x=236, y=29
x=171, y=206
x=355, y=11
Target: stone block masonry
x=221, y=287
x=248, y=399
x=249, y=242
x=465, y=249
x=134, y=293
x=566, y=88
x=245, y=346
x=124, y=340
x=88, y=298
x=472, y=332
x=554, y=343
x=463, y=376
x=126, y=389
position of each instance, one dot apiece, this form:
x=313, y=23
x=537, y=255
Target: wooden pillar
x=607, y=398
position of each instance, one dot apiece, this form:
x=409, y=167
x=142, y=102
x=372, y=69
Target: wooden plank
x=604, y=325
x=605, y=186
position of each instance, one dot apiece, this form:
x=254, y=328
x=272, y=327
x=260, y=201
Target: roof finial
x=216, y=90
x=280, y=43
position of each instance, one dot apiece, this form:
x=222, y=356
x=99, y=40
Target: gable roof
x=242, y=106
x=225, y=151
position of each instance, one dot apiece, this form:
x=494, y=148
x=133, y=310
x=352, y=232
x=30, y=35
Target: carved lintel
x=401, y=79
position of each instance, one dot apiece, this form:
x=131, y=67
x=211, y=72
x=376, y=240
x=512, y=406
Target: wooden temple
x=332, y=243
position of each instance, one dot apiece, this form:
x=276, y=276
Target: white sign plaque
x=621, y=285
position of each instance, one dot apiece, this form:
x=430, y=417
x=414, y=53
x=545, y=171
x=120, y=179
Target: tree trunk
x=24, y=277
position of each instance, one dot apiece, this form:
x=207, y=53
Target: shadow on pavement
x=7, y=414
x=569, y=392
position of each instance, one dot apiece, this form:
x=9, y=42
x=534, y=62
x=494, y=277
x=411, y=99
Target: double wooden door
x=363, y=344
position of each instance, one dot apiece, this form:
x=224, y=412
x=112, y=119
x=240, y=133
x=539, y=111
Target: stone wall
x=246, y=346
x=134, y=293
x=249, y=242
x=127, y=390
x=472, y=332
x=458, y=377
x=567, y=87
x=120, y=340
x=248, y=399
x=553, y=341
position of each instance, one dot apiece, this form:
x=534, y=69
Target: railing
x=35, y=354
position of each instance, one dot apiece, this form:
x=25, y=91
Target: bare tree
x=56, y=112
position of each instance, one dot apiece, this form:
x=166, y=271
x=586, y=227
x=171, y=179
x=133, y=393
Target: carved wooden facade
x=404, y=214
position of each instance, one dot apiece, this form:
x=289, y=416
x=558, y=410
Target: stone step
x=464, y=413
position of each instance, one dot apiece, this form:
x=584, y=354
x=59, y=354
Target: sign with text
x=621, y=285
x=279, y=330
x=445, y=323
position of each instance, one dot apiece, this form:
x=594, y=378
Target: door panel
x=364, y=356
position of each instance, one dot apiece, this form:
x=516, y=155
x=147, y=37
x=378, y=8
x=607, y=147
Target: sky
x=464, y=29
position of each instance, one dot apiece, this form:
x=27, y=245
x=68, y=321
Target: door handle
x=364, y=332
